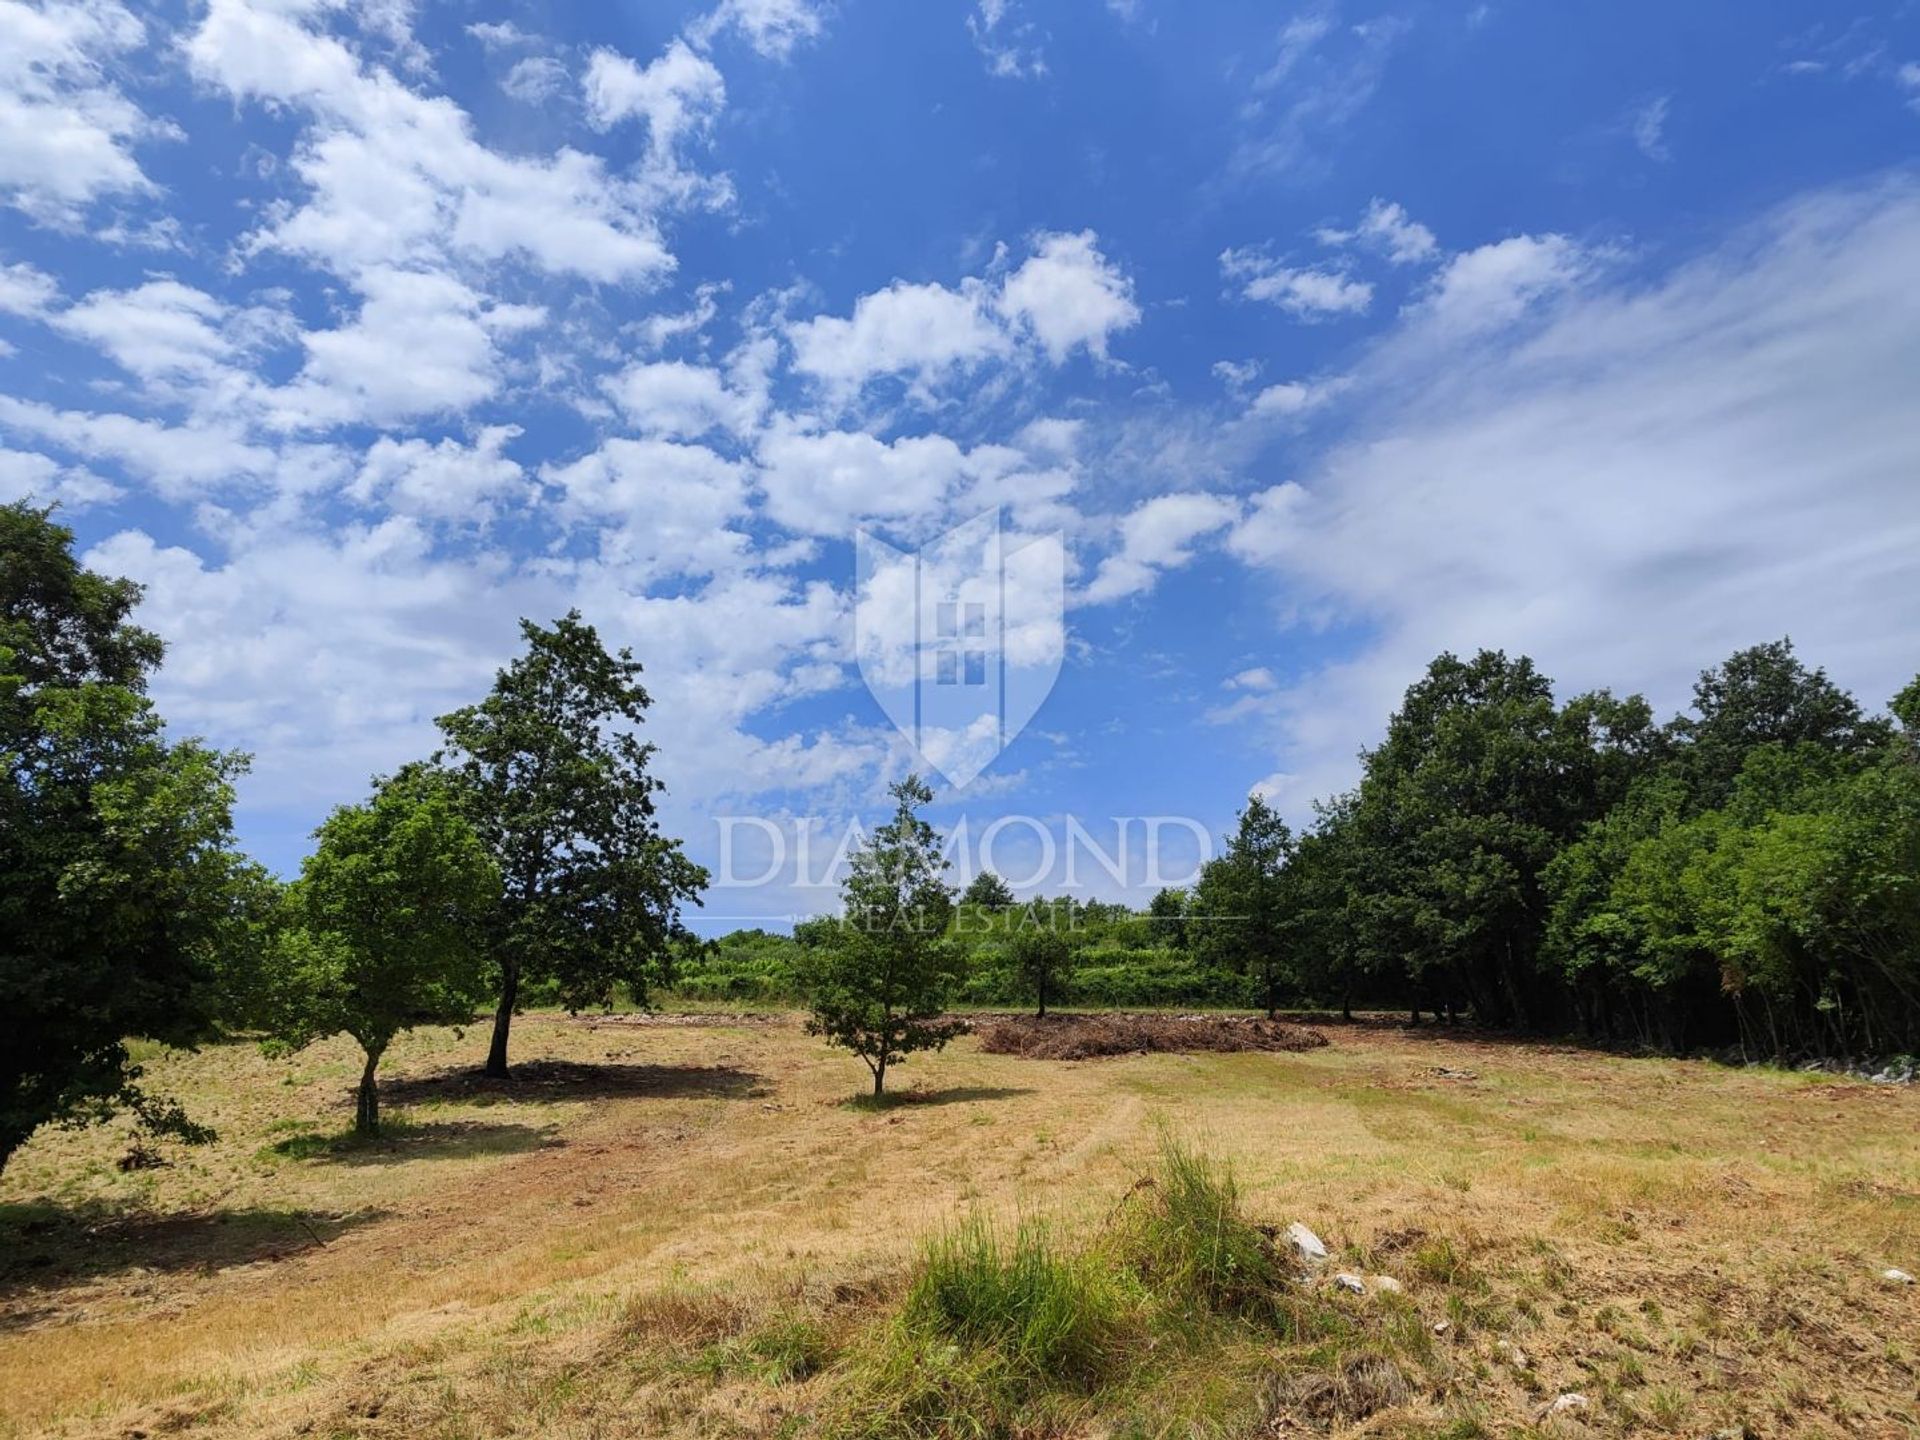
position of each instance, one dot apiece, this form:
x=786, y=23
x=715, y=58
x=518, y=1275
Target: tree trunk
x=879, y=1078
x=366, y=1115
x=503, y=1020
x=1043, y=997
x=1273, y=999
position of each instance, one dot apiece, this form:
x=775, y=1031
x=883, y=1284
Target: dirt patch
x=1085, y=1037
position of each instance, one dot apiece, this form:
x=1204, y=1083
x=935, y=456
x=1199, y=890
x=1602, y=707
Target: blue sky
x=1323, y=337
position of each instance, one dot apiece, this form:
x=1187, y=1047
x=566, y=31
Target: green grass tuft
x=1189, y=1242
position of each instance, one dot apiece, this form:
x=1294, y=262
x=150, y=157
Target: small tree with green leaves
x=880, y=983
x=1241, y=902
x=382, y=928
x=555, y=779
x=1043, y=950
x=988, y=891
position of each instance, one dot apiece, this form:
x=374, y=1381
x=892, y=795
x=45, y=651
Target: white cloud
x=1322, y=76
x=1306, y=293
x=1258, y=678
x=1065, y=296
x=66, y=132
x=681, y=401
x=25, y=475
x=397, y=179
x=925, y=331
x=499, y=34
x=1653, y=478
x=1010, y=46
x=26, y=290
x=1157, y=536
x=1290, y=399
x=1387, y=228
x=828, y=484
x=1070, y=295
x=179, y=461
x=1496, y=284
x=161, y=329
x=1650, y=128
x=771, y=27
x=677, y=95
x=422, y=344
x=660, y=509
x=445, y=480
x=535, y=79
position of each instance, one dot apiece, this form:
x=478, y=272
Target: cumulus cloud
x=1388, y=229
x=922, y=331
x=1158, y=536
x=398, y=179
x=771, y=27
x=1069, y=296
x=1307, y=293
x=678, y=400
x=67, y=133
x=677, y=95
x=1496, y=284
x=443, y=480
x=1065, y=296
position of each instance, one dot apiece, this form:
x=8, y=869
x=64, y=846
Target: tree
x=1042, y=948
x=881, y=983
x=555, y=781
x=384, y=923
x=123, y=905
x=1167, y=918
x=988, y=891
x=1764, y=696
x=1240, y=904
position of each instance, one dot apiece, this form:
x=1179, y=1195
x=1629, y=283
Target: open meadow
x=687, y=1226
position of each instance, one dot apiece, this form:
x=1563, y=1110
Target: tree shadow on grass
x=572, y=1080
x=45, y=1246
x=953, y=1095
x=404, y=1138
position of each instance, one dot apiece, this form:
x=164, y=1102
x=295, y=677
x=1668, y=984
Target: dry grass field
x=684, y=1228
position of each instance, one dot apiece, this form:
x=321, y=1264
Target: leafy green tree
x=1043, y=948
x=124, y=908
x=1240, y=907
x=384, y=924
x=988, y=891
x=1167, y=913
x=881, y=983
x=556, y=783
x=1764, y=696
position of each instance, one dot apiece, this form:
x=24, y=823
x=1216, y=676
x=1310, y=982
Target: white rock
x=1571, y=1403
x=1898, y=1277
x=1388, y=1284
x=1354, y=1283
x=1306, y=1243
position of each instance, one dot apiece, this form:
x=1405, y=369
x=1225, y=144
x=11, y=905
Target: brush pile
x=1086, y=1037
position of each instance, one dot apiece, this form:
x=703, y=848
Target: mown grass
x=682, y=1232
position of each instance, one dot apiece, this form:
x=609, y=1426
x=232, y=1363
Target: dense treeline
x=1746, y=874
